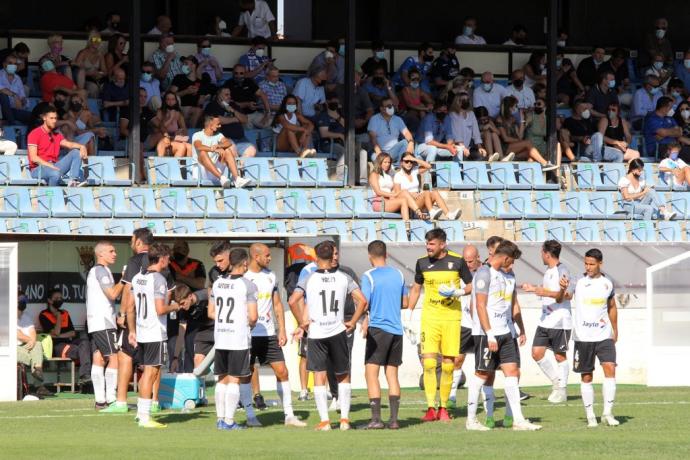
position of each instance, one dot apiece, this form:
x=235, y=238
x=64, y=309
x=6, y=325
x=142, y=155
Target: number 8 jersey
x=146, y=288
x=231, y=296
x=325, y=293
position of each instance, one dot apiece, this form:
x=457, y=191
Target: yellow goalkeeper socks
x=446, y=381
x=430, y=381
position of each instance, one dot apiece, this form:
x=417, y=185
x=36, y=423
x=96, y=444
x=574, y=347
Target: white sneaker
x=435, y=214
x=476, y=425
x=668, y=215
x=241, y=182
x=558, y=396
x=294, y=421
x=334, y=405
x=225, y=182
x=525, y=425
x=253, y=422
x=494, y=156
x=592, y=422
x=608, y=419
x=509, y=157
x=548, y=167
x=453, y=215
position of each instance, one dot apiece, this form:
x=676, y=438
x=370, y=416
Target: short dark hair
x=21, y=47
x=202, y=40
x=238, y=255
x=325, y=250
x=377, y=45
x=493, y=241
x=157, y=251
x=423, y=47
x=595, y=254
x=377, y=248
x=663, y=102
x=144, y=235
x=52, y=291
x=209, y=117
x=508, y=248
x=148, y=64
x=620, y=53
x=552, y=247
x=47, y=108
x=219, y=247
x=436, y=234
x=259, y=40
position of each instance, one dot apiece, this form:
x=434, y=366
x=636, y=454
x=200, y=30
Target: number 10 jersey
x=231, y=296
x=146, y=288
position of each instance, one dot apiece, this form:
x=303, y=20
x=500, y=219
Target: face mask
x=660, y=33
x=514, y=111
x=538, y=110
x=518, y=83
x=464, y=104
x=186, y=70
x=613, y=115
x=57, y=303
x=675, y=94
x=428, y=58
x=377, y=81
x=414, y=84
x=170, y=49
x=47, y=65
x=658, y=65
x=597, y=62
x=119, y=84
x=11, y=69
x=292, y=108
x=115, y=25
x=222, y=25
x=558, y=63
x=341, y=50
x=686, y=62
x=380, y=55
x=612, y=84
x=390, y=111
x=260, y=52
x=467, y=31
x=59, y=103
x=586, y=114
x=637, y=175
x=487, y=87
x=332, y=106
x=441, y=115
x=670, y=112
x=57, y=49
x=560, y=43
x=329, y=55
x=673, y=155
x=655, y=90
x=272, y=83
x=75, y=106
x=206, y=51
x=147, y=77
x=225, y=104
x=178, y=257
x=685, y=114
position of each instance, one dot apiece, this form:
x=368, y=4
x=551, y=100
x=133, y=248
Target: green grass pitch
x=654, y=425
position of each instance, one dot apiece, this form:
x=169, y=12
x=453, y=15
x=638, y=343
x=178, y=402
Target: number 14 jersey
x=325, y=292
x=231, y=296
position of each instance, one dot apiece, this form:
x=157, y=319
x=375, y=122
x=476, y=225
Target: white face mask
x=586, y=114
x=260, y=52
x=170, y=49
x=660, y=33
x=561, y=43
x=329, y=55
x=390, y=111
x=670, y=112
x=685, y=114
x=222, y=25
x=686, y=62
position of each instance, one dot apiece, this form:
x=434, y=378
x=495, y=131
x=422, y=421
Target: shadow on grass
x=179, y=417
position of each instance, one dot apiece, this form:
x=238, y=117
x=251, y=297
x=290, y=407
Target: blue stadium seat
x=16, y=134
x=418, y=229
x=174, y=200
x=393, y=231
x=206, y=201
x=531, y=174
x=610, y=174
x=213, y=226
x=168, y=171
x=521, y=203
x=578, y=203
x=449, y=175
x=244, y=226
x=454, y=230
x=113, y=200
x=101, y=171
x=242, y=204
x=298, y=175
x=642, y=230
x=602, y=205
x=657, y=181
x=613, y=230
x=669, y=231
x=532, y=231
x=322, y=176
x=55, y=226
x=587, y=231
x=262, y=173
x=120, y=227
x=363, y=230
x=304, y=226
x=476, y=173
x=157, y=226
x=680, y=202
x=324, y=201
x=80, y=200
x=352, y=200
x=94, y=106
x=337, y=227
x=272, y=226
x=267, y=201
x=90, y=227
x=549, y=204
x=23, y=226
x=52, y=200
x=560, y=231
x=296, y=203
x=588, y=176
x=187, y=226
x=144, y=200
x=504, y=174
x=492, y=205
x=14, y=170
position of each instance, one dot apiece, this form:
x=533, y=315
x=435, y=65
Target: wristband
x=490, y=336
x=122, y=314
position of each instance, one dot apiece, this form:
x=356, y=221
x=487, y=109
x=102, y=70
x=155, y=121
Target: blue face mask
x=206, y=51
x=341, y=50
x=467, y=31
x=186, y=70
x=655, y=90
x=612, y=84
x=673, y=155
x=414, y=84
x=11, y=69
x=658, y=65
x=47, y=65
x=291, y=108
x=147, y=77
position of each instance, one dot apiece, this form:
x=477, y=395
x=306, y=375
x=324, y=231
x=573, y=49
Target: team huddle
x=468, y=307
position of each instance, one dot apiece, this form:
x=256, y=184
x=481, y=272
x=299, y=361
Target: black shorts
x=124, y=345
x=333, y=350
x=232, y=362
x=485, y=360
x=466, y=340
x=585, y=352
x=554, y=339
x=152, y=353
x=203, y=341
x=302, y=352
x=266, y=350
x=104, y=341
x=383, y=348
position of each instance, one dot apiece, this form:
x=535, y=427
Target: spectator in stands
x=618, y=67
x=601, y=95
x=377, y=58
x=659, y=69
x=163, y=26
x=149, y=137
x=385, y=129
x=218, y=28
x=660, y=129
x=512, y=134
x=446, y=67
x=216, y=154
x=536, y=126
x=422, y=61
x=151, y=85
x=21, y=52
x=463, y=83
x=490, y=133
x=431, y=135
x=192, y=91
x=577, y=132
x=294, y=130
x=170, y=125
x=387, y=200
x=256, y=60
x=112, y=24
x=535, y=69
x=588, y=69
x=84, y=126
x=562, y=40
x=44, y=150
x=331, y=125
x=378, y=87
x=408, y=179
x=116, y=97
x=616, y=136
x=518, y=36
x=645, y=100
x=639, y=200
x=681, y=69
x=682, y=117
x=13, y=100
x=468, y=36
x=656, y=42
x=310, y=92
x=232, y=121
x=520, y=91
x=274, y=89
x=116, y=57
x=7, y=147
x=60, y=62
x=673, y=168
x=245, y=93
x=256, y=19
x=208, y=63
x=489, y=95
x=332, y=59
x=462, y=129
x=414, y=101
x=166, y=60
x=675, y=91
x=91, y=64
x=57, y=323
x=568, y=86
x=364, y=110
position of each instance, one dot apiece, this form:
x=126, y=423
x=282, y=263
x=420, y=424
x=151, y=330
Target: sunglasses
x=407, y=161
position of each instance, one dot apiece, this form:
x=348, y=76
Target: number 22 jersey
x=232, y=294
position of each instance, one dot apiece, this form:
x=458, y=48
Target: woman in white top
x=293, y=129
x=407, y=179
x=672, y=166
x=387, y=199
x=640, y=200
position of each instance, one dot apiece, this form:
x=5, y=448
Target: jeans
x=69, y=169
x=11, y=114
x=430, y=152
x=645, y=207
x=597, y=148
x=396, y=151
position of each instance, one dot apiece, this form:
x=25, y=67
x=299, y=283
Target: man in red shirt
x=52, y=80
x=44, y=149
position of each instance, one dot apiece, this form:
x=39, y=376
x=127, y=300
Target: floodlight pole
x=551, y=91
x=134, y=152
x=350, y=44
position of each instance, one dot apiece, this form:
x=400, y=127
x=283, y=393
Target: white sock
x=246, y=398
x=321, y=398
x=547, y=368
x=232, y=397
x=285, y=395
x=220, y=399
x=457, y=375
x=489, y=399
x=143, y=410
x=609, y=389
x=344, y=396
x=110, y=384
x=587, y=392
x=98, y=380
x=563, y=371
x=473, y=388
x=512, y=390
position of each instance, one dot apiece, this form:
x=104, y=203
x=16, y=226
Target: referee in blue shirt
x=385, y=290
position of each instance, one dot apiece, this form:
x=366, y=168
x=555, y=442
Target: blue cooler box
x=181, y=391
